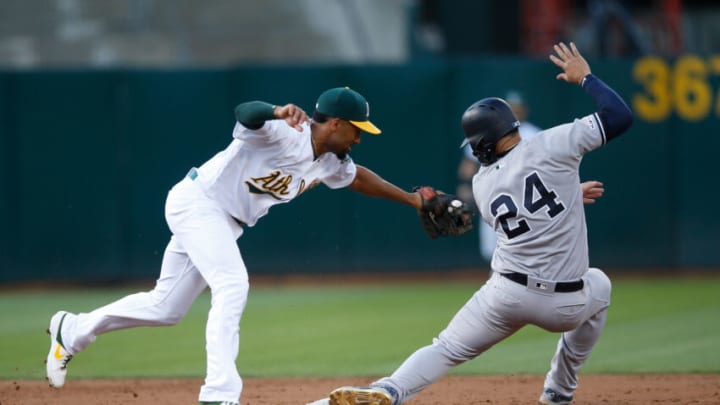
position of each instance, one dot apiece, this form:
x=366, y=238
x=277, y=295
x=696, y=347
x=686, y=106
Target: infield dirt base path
x=453, y=390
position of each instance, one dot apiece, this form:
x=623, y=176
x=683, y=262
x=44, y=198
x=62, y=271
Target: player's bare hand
x=591, y=190
x=574, y=66
x=292, y=114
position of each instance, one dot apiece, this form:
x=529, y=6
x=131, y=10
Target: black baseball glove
x=443, y=214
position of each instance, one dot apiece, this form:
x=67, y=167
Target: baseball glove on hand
x=443, y=214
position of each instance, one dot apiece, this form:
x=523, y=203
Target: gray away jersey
x=268, y=166
x=533, y=201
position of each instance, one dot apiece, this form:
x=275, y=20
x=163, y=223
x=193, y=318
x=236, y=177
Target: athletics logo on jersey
x=274, y=184
x=303, y=188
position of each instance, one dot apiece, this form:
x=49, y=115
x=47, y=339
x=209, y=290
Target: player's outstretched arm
x=615, y=116
x=368, y=183
x=440, y=214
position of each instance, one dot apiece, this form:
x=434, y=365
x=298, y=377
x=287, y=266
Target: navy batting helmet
x=484, y=123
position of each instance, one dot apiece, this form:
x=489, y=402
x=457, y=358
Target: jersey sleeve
x=590, y=133
x=342, y=176
x=271, y=132
x=577, y=138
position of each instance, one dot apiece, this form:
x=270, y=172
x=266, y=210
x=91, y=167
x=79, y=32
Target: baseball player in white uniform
x=527, y=190
x=276, y=154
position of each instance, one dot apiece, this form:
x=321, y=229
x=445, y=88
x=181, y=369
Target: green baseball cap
x=348, y=105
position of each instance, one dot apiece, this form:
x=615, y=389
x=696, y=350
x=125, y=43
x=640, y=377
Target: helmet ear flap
x=484, y=151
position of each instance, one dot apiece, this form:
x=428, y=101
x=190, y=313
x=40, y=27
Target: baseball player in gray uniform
x=527, y=190
x=276, y=154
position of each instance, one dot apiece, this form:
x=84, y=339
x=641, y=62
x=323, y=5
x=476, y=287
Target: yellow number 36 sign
x=684, y=88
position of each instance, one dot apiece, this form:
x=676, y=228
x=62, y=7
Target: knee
x=232, y=287
x=454, y=351
x=169, y=315
x=600, y=284
x=173, y=317
x=166, y=311
x=231, y=293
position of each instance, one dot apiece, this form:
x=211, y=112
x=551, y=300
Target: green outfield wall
x=87, y=158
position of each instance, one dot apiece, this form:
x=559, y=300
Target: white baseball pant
x=499, y=309
x=202, y=252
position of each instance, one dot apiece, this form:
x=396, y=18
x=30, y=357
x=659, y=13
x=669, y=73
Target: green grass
x=661, y=326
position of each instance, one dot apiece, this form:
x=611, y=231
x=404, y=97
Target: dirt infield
x=455, y=390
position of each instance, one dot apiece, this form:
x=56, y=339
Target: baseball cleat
x=360, y=396
x=324, y=401
x=552, y=397
x=58, y=357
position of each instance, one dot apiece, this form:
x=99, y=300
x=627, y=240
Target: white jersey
x=528, y=130
x=525, y=195
x=268, y=166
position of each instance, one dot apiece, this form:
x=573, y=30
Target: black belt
x=570, y=286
